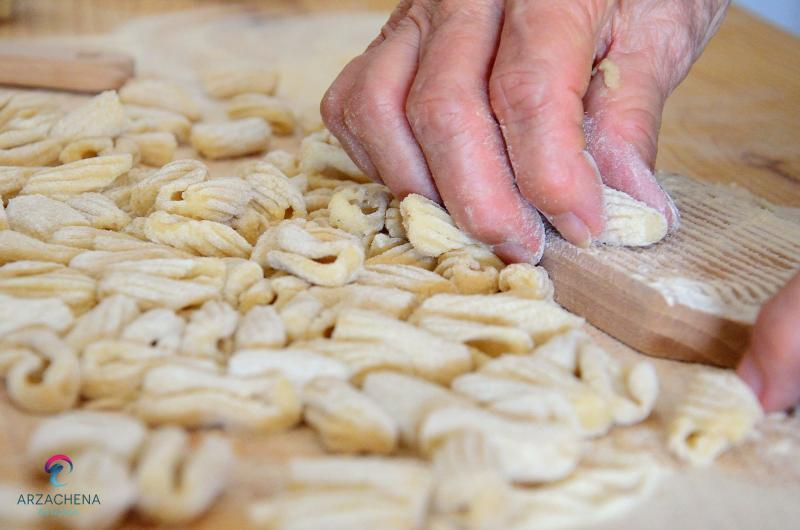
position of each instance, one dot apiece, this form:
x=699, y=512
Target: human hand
x=481, y=104
x=771, y=365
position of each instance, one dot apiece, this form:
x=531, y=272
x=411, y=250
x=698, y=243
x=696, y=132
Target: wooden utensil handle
x=60, y=69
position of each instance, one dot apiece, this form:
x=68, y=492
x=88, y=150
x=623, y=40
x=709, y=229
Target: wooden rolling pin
x=61, y=69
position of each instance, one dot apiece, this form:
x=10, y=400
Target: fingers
x=624, y=118
x=365, y=109
x=449, y=112
x=540, y=76
x=771, y=366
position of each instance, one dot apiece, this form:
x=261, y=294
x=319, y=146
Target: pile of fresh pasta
x=149, y=305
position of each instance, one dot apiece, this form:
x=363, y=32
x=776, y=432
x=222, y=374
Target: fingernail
x=750, y=373
x=515, y=253
x=675, y=216
x=572, y=229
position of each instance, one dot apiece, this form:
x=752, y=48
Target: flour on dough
x=630, y=223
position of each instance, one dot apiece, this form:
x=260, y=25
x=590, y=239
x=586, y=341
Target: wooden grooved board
x=695, y=295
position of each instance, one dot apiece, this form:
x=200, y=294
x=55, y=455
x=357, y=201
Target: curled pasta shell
x=227, y=81
x=321, y=256
x=42, y=374
x=177, y=483
x=275, y=111
x=717, y=412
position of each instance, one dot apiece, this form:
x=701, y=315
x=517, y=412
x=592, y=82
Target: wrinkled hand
x=482, y=104
x=771, y=366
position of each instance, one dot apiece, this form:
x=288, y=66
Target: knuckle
x=518, y=95
x=436, y=113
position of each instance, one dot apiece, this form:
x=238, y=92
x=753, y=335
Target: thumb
x=771, y=365
x=624, y=105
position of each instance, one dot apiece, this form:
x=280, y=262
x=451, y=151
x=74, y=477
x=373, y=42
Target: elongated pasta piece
x=718, y=411
x=155, y=291
x=202, y=238
x=419, y=281
x=227, y=81
x=231, y=139
x=15, y=246
x=195, y=397
x=218, y=200
x=161, y=94
x=275, y=111
x=540, y=319
x=527, y=452
x=20, y=313
x=433, y=357
x=12, y=179
x=147, y=119
x=99, y=210
x=298, y=366
x=101, y=116
x=35, y=279
x=35, y=153
x=91, y=174
x=114, y=369
x=39, y=216
x=210, y=330
x=346, y=420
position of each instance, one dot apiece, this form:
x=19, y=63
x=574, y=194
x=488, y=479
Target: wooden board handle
x=60, y=69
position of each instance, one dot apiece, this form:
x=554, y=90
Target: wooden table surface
x=736, y=118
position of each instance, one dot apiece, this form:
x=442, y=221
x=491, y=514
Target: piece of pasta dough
x=176, y=482
x=202, y=238
x=15, y=246
x=527, y=452
x=161, y=94
x=91, y=174
x=231, y=139
x=106, y=320
x=275, y=111
x=717, y=412
x=322, y=154
x=228, y=81
x=41, y=371
x=346, y=420
x=608, y=482
x=86, y=148
x=630, y=223
x=408, y=400
x=340, y=493
x=322, y=256
x=431, y=356
x=101, y=116
x=147, y=119
x=37, y=279
x=430, y=228
x=156, y=148
x=197, y=397
x=20, y=313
